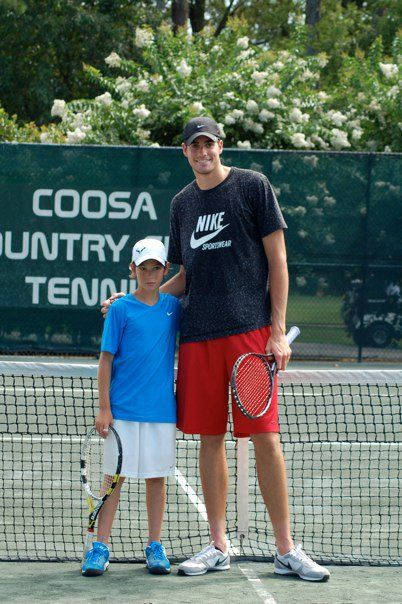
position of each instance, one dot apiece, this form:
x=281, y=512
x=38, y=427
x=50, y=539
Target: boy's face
x=203, y=154
x=149, y=274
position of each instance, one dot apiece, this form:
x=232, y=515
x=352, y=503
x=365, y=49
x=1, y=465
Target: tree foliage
x=44, y=44
x=261, y=98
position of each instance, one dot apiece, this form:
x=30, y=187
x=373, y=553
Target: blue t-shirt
x=142, y=339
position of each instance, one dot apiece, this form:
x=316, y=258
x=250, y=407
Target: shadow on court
x=249, y=582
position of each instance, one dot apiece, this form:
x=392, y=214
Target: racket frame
x=95, y=502
x=271, y=369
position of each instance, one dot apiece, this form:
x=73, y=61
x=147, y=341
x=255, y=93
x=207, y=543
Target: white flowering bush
x=261, y=99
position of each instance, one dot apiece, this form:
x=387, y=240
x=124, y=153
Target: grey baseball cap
x=201, y=126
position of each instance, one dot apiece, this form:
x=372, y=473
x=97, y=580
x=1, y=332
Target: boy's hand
x=106, y=303
x=104, y=419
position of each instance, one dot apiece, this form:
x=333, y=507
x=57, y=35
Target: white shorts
x=149, y=449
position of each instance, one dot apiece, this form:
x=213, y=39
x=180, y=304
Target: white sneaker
x=209, y=558
x=297, y=562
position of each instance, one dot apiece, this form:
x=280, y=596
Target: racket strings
x=98, y=481
x=253, y=384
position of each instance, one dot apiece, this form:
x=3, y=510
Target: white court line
x=247, y=571
x=257, y=585
x=196, y=501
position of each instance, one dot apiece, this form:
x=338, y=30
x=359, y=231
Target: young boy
x=135, y=378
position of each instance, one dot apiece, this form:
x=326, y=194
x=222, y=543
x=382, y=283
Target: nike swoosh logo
x=194, y=243
x=169, y=313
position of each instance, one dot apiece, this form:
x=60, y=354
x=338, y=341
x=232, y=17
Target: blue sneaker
x=157, y=562
x=96, y=560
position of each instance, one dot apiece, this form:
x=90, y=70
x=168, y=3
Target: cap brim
x=197, y=134
x=145, y=257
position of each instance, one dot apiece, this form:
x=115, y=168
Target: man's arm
x=176, y=286
x=275, y=250
x=104, y=417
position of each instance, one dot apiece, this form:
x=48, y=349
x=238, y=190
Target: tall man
x=226, y=234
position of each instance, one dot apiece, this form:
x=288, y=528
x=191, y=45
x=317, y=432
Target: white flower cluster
x=113, y=60
x=59, y=108
x=142, y=86
x=389, y=69
x=298, y=116
x=105, y=99
x=251, y=106
x=336, y=117
x=273, y=103
x=266, y=115
x=143, y=37
x=339, y=139
x=75, y=136
x=273, y=91
x=253, y=126
x=298, y=140
x=234, y=116
x=259, y=77
x=142, y=112
x=184, y=69
x=197, y=108
x=244, y=144
x=243, y=42
x=122, y=85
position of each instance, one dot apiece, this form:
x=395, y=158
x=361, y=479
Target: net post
x=242, y=491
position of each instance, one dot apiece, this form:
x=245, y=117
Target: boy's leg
x=214, y=480
x=272, y=480
x=96, y=560
x=157, y=561
x=156, y=501
x=107, y=513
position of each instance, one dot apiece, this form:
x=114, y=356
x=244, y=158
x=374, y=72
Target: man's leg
x=272, y=480
x=214, y=479
x=271, y=473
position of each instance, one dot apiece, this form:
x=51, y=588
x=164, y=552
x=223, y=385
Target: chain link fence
x=71, y=214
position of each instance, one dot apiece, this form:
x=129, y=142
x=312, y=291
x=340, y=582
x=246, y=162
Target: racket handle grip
x=292, y=334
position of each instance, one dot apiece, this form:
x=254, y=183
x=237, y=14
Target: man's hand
x=104, y=419
x=106, y=303
x=278, y=346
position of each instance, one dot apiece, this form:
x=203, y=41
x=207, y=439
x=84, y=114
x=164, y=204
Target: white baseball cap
x=149, y=249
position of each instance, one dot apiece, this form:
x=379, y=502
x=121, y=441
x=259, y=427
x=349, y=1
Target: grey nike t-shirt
x=217, y=236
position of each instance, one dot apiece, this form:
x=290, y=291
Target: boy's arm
x=104, y=417
x=176, y=286
x=275, y=250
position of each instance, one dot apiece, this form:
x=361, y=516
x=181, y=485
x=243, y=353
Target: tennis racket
x=97, y=485
x=252, y=380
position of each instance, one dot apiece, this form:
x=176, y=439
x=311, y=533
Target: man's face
x=203, y=154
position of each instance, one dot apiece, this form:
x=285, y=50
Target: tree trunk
x=180, y=13
x=313, y=12
x=197, y=15
x=313, y=8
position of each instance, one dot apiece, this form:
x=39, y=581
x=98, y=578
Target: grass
x=319, y=319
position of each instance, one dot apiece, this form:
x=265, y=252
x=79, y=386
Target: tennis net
x=340, y=439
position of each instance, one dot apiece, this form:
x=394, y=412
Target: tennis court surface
x=340, y=438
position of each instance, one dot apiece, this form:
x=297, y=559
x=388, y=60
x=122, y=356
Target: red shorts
x=203, y=386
